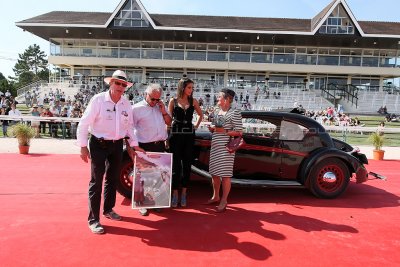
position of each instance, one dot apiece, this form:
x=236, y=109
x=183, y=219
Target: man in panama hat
x=109, y=119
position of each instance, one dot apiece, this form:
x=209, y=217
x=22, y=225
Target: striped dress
x=221, y=161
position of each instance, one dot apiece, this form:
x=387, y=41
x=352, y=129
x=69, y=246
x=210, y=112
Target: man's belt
x=153, y=143
x=102, y=140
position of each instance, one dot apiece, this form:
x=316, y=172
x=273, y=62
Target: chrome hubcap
x=329, y=177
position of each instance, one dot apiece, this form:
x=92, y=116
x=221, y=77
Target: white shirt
x=149, y=123
x=14, y=112
x=105, y=119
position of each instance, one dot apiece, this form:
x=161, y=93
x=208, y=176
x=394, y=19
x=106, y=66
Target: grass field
x=392, y=139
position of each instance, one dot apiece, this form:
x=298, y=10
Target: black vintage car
x=281, y=149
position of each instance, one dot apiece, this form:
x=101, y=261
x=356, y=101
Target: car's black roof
x=298, y=118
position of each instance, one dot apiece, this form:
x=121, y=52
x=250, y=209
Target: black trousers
x=106, y=158
x=181, y=146
x=153, y=146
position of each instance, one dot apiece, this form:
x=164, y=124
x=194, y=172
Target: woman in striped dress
x=227, y=122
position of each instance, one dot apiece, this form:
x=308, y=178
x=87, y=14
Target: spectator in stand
x=46, y=114
x=381, y=128
x=330, y=112
x=35, y=123
x=28, y=99
x=74, y=125
x=3, y=101
x=356, y=121
x=65, y=125
x=34, y=99
x=8, y=94
x=45, y=99
x=14, y=112
x=54, y=125
x=4, y=111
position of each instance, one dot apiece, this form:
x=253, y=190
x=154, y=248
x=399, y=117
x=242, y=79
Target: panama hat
x=118, y=75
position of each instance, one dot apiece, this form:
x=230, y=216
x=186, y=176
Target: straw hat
x=120, y=76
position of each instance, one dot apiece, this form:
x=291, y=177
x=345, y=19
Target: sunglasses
x=121, y=84
x=155, y=99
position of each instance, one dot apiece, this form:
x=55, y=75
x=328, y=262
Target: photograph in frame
x=151, y=179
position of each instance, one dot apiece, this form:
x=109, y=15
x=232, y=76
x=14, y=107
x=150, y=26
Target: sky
x=15, y=41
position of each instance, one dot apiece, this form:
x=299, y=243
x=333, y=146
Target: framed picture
x=152, y=177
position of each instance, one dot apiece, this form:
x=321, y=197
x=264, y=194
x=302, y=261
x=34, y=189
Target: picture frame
x=152, y=180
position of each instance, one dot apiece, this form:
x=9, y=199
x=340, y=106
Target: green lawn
x=392, y=139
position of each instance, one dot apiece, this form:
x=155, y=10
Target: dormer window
x=131, y=16
x=338, y=22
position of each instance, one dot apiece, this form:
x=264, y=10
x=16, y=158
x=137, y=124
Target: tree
x=31, y=66
x=6, y=85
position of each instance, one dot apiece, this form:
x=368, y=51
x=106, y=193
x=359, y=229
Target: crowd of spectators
x=333, y=117
x=57, y=104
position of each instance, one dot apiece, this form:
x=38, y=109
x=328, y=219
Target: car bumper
x=361, y=174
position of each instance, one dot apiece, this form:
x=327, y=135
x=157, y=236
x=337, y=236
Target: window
x=131, y=16
x=258, y=127
x=338, y=22
x=292, y=131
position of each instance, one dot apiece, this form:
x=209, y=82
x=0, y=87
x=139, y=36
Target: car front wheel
x=329, y=178
x=124, y=185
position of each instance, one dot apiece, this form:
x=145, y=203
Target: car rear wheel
x=329, y=178
x=124, y=186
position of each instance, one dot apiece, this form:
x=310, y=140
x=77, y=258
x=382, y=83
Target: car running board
x=250, y=182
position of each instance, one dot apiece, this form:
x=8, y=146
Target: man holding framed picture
x=151, y=120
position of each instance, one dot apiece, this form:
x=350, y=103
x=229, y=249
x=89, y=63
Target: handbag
x=234, y=143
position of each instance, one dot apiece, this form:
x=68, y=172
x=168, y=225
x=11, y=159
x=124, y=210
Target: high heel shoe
x=183, y=201
x=174, y=201
x=211, y=201
x=221, y=207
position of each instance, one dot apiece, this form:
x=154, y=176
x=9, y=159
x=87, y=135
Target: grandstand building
x=239, y=52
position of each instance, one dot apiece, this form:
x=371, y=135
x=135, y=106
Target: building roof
x=315, y=20
x=230, y=22
x=69, y=17
x=208, y=22
x=380, y=27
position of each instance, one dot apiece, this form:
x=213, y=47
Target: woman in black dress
x=181, y=140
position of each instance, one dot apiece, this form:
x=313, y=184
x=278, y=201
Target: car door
x=260, y=157
x=296, y=142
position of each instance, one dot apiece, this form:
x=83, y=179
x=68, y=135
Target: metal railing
x=341, y=128
x=31, y=86
x=335, y=92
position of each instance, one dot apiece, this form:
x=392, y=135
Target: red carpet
x=43, y=207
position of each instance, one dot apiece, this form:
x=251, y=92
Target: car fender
x=324, y=153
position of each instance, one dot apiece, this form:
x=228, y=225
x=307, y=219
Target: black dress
x=181, y=144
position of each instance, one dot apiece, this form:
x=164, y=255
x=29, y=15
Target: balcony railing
x=273, y=56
